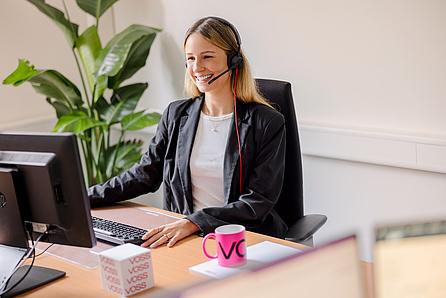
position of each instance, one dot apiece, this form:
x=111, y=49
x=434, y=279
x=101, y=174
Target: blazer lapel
x=186, y=137
x=232, y=155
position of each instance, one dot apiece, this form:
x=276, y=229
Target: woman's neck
x=218, y=104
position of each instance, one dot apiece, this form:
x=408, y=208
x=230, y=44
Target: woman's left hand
x=169, y=234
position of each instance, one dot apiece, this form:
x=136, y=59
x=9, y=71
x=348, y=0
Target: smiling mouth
x=203, y=79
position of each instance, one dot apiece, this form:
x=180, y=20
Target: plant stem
x=97, y=144
x=108, y=136
x=100, y=143
x=87, y=163
x=117, y=149
x=95, y=162
x=97, y=14
x=85, y=147
x=89, y=103
x=77, y=60
x=91, y=159
x=93, y=94
x=100, y=172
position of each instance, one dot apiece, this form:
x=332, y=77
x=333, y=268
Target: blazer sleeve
x=262, y=189
x=145, y=176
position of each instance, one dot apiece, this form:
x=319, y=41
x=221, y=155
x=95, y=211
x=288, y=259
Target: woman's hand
x=169, y=234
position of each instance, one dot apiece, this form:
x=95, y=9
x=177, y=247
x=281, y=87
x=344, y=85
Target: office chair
x=290, y=203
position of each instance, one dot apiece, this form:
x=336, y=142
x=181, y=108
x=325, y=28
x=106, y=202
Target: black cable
x=41, y=253
x=29, y=268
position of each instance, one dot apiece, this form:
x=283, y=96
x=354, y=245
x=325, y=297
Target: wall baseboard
x=381, y=148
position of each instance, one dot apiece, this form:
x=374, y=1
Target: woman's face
x=205, y=61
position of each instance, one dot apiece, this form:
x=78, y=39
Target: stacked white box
x=126, y=269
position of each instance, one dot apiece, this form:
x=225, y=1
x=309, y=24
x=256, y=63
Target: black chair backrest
x=290, y=204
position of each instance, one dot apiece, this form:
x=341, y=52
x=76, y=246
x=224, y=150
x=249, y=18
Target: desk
x=171, y=266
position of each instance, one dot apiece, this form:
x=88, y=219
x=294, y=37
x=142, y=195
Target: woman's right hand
x=169, y=234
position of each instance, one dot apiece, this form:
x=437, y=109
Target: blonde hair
x=221, y=35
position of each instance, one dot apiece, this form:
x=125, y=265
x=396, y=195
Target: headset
x=235, y=62
x=235, y=58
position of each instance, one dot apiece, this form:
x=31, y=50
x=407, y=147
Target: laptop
x=332, y=270
x=410, y=260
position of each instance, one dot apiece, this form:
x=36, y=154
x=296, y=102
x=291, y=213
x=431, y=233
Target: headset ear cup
x=238, y=60
x=234, y=60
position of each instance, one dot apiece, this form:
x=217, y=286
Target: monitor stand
x=36, y=277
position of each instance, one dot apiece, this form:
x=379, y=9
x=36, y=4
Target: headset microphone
x=214, y=79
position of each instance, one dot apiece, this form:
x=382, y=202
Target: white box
x=126, y=269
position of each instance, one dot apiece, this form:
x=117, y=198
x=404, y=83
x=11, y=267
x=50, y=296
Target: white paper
x=259, y=254
x=10, y=257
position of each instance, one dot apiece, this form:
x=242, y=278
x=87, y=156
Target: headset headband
x=236, y=34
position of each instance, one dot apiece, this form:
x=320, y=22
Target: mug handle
x=203, y=245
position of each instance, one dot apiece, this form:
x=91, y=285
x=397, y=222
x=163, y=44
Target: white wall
x=369, y=67
x=374, y=69
x=357, y=197
x=359, y=64
x=27, y=33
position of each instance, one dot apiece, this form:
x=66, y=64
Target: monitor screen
x=41, y=173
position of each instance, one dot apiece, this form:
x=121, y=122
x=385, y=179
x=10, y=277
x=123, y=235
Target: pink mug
x=231, y=250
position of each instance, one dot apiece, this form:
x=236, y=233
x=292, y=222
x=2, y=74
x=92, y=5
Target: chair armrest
x=305, y=227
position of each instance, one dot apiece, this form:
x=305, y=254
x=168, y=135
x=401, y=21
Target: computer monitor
x=42, y=189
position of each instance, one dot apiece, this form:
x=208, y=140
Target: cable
x=33, y=251
x=236, y=130
x=41, y=253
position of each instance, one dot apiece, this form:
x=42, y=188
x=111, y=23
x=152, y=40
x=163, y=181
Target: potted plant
x=91, y=112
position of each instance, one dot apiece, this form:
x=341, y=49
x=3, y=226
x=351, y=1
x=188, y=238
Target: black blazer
x=262, y=136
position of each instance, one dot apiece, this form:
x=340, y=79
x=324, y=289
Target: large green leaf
x=70, y=29
x=50, y=83
x=118, y=158
x=131, y=93
x=53, y=84
x=101, y=106
x=139, y=120
x=112, y=57
x=76, y=122
x=89, y=47
x=95, y=7
x=128, y=154
x=60, y=107
x=123, y=102
x=23, y=73
x=136, y=59
x=100, y=86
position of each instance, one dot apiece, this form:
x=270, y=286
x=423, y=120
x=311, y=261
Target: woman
x=196, y=150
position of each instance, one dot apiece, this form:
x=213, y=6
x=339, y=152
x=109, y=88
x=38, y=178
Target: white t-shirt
x=206, y=160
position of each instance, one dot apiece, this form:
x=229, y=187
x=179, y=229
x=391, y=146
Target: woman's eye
x=207, y=57
x=190, y=58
